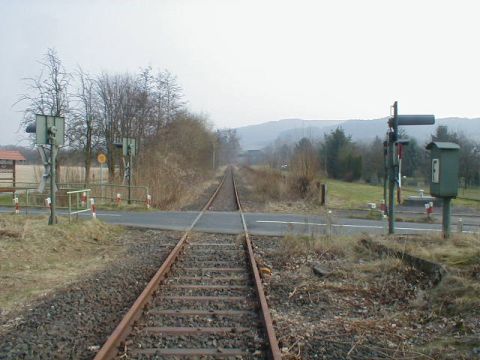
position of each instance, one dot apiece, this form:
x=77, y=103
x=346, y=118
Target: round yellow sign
x=101, y=158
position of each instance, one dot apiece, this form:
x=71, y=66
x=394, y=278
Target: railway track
x=205, y=302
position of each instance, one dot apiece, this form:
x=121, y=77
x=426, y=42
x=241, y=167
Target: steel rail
x=110, y=349
x=275, y=353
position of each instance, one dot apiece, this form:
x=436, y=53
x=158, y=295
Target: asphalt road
x=257, y=223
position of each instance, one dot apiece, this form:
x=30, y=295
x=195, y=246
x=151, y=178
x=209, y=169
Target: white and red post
x=148, y=201
x=118, y=199
x=84, y=199
x=17, y=205
x=429, y=209
x=93, y=208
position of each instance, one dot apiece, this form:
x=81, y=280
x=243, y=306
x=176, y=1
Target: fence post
x=26, y=208
x=84, y=199
x=460, y=225
x=69, y=208
x=93, y=207
x=323, y=199
x=17, y=205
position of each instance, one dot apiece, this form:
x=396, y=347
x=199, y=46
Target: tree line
x=337, y=156
x=101, y=109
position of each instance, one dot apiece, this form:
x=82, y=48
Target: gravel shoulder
x=75, y=320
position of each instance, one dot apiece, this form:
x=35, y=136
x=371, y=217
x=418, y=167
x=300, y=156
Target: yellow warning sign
x=101, y=158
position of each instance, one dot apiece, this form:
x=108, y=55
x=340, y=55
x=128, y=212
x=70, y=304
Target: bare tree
x=48, y=93
x=84, y=116
x=108, y=109
x=169, y=97
x=228, y=145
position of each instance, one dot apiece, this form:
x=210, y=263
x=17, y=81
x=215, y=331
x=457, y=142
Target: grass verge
x=36, y=258
x=459, y=291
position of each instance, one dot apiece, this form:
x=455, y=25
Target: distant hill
x=259, y=136
x=292, y=130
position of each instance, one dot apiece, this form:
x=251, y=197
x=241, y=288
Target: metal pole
x=69, y=208
x=385, y=174
x=391, y=169
x=53, y=154
x=446, y=217
x=101, y=182
x=213, y=157
x=129, y=175
x=14, y=176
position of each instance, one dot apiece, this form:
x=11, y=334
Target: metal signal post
x=129, y=149
x=392, y=156
x=52, y=132
x=49, y=130
x=392, y=168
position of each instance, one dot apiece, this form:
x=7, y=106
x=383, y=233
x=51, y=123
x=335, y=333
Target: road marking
x=352, y=226
x=317, y=224
x=98, y=214
x=358, y=226
x=288, y=222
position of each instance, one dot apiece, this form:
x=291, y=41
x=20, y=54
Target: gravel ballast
x=204, y=254
x=73, y=322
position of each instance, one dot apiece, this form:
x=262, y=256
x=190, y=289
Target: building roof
x=443, y=145
x=11, y=155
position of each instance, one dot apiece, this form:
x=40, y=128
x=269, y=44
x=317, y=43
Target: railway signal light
x=49, y=131
x=391, y=155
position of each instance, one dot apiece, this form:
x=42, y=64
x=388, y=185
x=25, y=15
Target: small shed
x=8, y=162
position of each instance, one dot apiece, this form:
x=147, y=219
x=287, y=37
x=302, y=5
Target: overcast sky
x=245, y=62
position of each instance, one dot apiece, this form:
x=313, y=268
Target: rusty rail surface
x=113, y=345
x=266, y=318
x=110, y=349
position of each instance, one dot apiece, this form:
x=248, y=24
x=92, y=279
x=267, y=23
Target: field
x=268, y=190
x=31, y=174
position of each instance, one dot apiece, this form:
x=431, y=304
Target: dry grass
x=36, y=258
x=278, y=191
x=459, y=291
x=391, y=306
x=359, y=305
x=172, y=185
x=269, y=184
x=323, y=245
